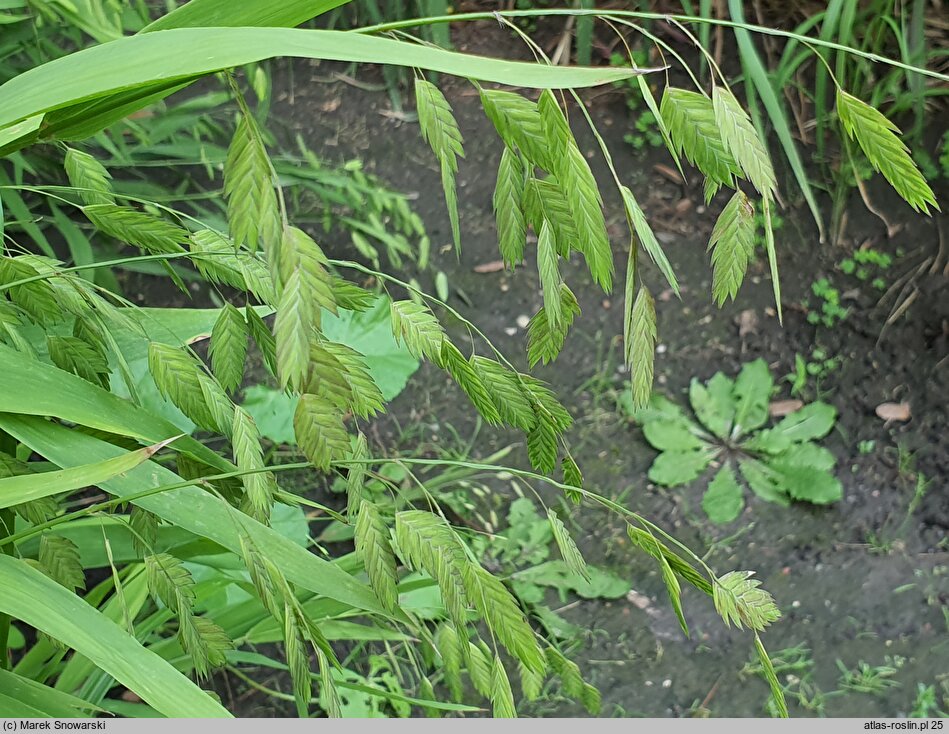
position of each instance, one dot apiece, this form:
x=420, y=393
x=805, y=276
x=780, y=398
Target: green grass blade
x=916, y=42
x=828, y=31
x=793, y=56
x=66, y=617
x=441, y=33
x=48, y=701
x=585, y=33
x=11, y=707
x=227, y=13
x=35, y=388
x=193, y=509
x=87, y=533
x=772, y=257
x=80, y=673
x=756, y=72
x=29, y=487
x=19, y=212
x=144, y=66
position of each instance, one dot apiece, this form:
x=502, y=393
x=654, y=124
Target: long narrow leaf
x=193, y=509
x=48, y=701
x=227, y=13
x=755, y=71
x=29, y=487
x=140, y=67
x=34, y=388
x=67, y=618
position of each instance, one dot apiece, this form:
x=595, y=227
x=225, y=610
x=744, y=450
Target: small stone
x=747, y=323
x=638, y=600
x=796, y=604
x=894, y=412
x=522, y=321
x=510, y=330
x=661, y=349
x=667, y=683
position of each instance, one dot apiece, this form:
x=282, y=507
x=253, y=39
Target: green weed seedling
x=818, y=366
x=798, y=378
x=795, y=666
x=867, y=265
x=647, y=132
x=726, y=427
x=869, y=679
x=927, y=705
x=828, y=311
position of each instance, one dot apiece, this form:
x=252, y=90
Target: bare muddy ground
x=864, y=580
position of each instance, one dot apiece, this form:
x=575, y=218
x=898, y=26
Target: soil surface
x=864, y=580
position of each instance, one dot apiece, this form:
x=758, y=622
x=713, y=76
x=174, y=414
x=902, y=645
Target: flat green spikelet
x=690, y=118
x=252, y=211
x=228, y=348
x=507, y=203
x=641, y=346
x=732, y=245
x=89, y=177
x=319, y=431
x=743, y=142
x=878, y=140
x=375, y=549
x=441, y=132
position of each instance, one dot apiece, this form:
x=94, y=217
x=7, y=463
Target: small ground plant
x=827, y=311
x=726, y=428
x=867, y=265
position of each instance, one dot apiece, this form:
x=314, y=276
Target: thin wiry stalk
x=615, y=14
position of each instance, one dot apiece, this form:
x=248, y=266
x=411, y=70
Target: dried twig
x=891, y=229
x=561, y=54
x=903, y=301
x=940, y=253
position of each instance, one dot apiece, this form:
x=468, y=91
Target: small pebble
x=661, y=349
x=667, y=683
x=510, y=330
x=522, y=321
x=795, y=604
